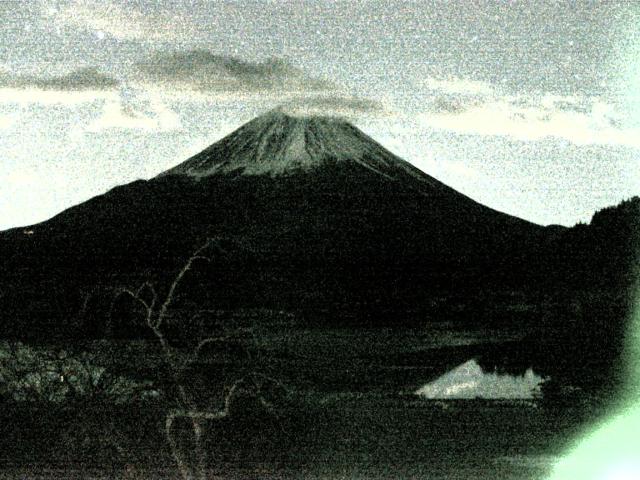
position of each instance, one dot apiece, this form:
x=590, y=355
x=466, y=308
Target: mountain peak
x=282, y=141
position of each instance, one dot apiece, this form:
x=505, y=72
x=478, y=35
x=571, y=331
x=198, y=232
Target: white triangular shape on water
x=469, y=381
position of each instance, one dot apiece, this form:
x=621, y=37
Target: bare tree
x=178, y=361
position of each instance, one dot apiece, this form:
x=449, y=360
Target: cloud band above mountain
x=346, y=106
x=205, y=71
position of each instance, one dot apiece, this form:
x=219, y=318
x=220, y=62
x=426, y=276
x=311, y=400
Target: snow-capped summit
x=281, y=142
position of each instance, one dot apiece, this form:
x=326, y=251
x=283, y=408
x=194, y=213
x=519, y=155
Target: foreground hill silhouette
x=316, y=219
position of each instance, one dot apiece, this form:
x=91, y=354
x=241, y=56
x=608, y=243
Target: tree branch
x=169, y=298
x=254, y=383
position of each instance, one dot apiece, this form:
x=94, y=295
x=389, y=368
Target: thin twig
x=169, y=298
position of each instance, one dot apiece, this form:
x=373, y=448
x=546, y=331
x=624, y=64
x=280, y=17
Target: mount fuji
x=316, y=217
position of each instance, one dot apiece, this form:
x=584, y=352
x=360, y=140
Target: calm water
x=341, y=436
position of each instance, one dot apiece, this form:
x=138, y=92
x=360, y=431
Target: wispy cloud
x=89, y=78
x=84, y=85
x=193, y=76
x=478, y=108
x=344, y=106
x=204, y=76
x=204, y=71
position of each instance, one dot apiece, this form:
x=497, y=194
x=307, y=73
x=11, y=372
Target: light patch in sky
x=5, y=121
x=27, y=96
x=459, y=86
x=115, y=115
x=477, y=108
x=119, y=21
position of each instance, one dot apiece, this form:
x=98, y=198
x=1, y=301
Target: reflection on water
x=469, y=381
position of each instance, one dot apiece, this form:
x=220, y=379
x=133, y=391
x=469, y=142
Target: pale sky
x=532, y=108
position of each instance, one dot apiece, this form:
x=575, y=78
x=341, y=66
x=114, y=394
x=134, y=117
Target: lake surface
x=353, y=414
x=338, y=436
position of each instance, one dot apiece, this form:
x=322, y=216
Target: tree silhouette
x=179, y=361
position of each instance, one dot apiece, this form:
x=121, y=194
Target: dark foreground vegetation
x=325, y=418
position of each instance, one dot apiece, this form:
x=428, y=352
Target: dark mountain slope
x=315, y=217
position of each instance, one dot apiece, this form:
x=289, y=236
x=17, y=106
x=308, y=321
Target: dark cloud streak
x=339, y=105
x=209, y=72
x=89, y=78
